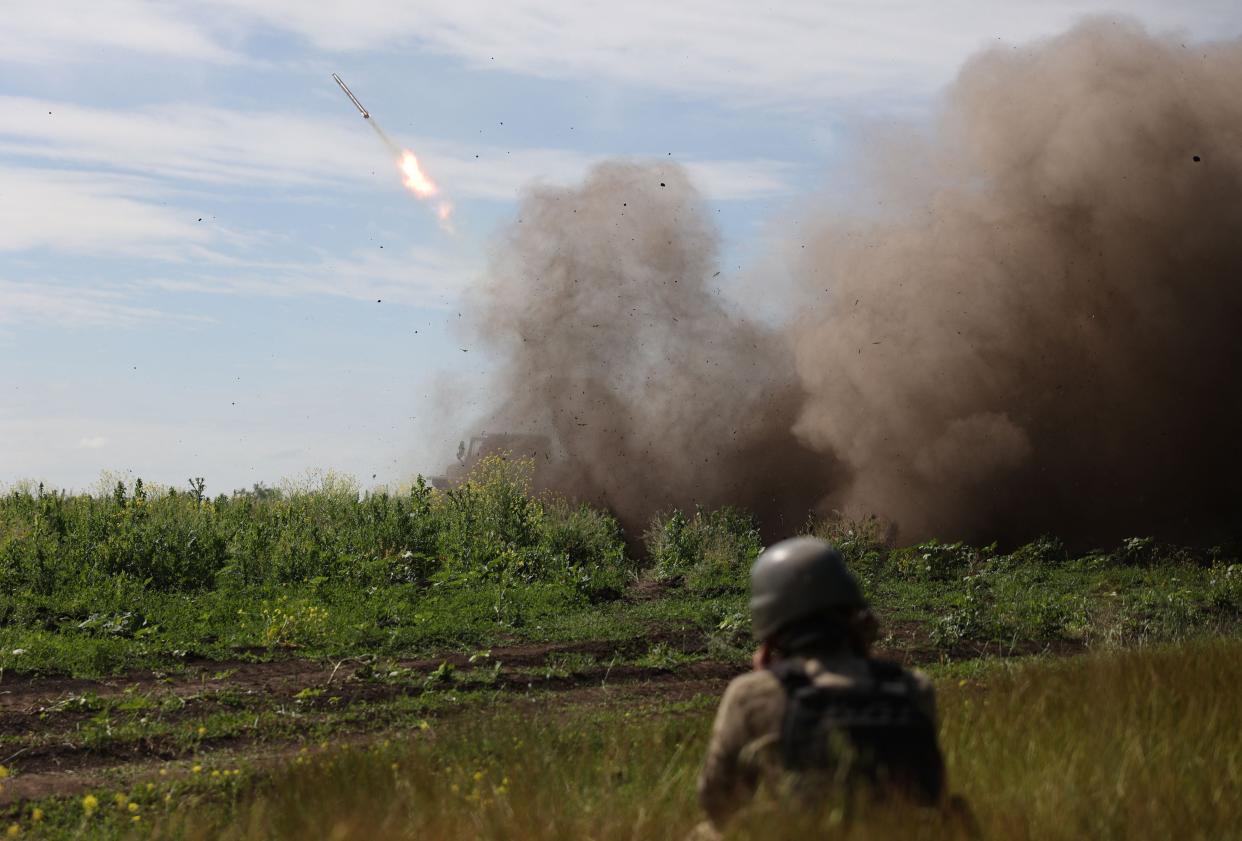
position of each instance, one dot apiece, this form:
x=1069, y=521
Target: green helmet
x=797, y=578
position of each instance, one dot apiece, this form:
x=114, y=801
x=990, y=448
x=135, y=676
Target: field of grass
x=1124, y=744
x=323, y=663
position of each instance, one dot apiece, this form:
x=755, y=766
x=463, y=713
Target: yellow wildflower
x=197, y=769
x=14, y=830
x=4, y=772
x=136, y=819
x=202, y=731
x=36, y=814
x=90, y=803
x=133, y=807
x=121, y=800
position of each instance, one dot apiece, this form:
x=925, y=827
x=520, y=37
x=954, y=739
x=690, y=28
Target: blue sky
x=208, y=265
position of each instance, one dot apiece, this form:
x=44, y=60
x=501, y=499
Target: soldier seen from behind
x=819, y=723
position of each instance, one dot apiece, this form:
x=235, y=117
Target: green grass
x=97, y=584
x=1123, y=744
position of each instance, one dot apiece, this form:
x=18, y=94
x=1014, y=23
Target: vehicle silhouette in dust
x=506, y=445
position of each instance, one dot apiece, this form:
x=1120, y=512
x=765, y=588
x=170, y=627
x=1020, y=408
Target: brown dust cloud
x=1022, y=319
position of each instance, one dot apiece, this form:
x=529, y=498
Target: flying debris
x=352, y=98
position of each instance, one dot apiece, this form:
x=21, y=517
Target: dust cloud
x=654, y=391
x=1019, y=319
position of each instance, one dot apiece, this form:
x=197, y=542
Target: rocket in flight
x=352, y=98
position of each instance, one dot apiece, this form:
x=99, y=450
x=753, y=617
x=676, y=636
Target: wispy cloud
x=735, y=51
x=91, y=213
x=69, y=30
x=416, y=276
x=94, y=442
x=225, y=146
x=27, y=303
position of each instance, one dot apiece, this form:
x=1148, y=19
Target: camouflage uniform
x=742, y=751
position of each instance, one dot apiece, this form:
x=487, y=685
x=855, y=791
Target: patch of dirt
x=42, y=737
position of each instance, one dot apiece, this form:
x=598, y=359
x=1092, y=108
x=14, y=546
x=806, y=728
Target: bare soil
x=43, y=720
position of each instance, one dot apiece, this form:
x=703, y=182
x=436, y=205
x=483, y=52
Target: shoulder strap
x=799, y=721
x=792, y=674
x=886, y=670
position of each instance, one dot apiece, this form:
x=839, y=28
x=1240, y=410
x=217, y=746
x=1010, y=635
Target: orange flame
x=414, y=178
x=418, y=183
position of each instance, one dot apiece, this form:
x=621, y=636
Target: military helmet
x=798, y=578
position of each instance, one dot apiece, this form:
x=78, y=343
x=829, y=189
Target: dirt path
x=65, y=736
x=52, y=737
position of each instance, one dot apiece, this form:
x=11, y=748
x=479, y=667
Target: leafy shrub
x=710, y=552
x=285, y=622
x=1043, y=551
x=862, y=543
x=125, y=550
x=1225, y=588
x=974, y=617
x=1147, y=552
x=936, y=561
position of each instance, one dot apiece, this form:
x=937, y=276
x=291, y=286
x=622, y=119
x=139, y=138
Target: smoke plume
x=654, y=392
x=1022, y=320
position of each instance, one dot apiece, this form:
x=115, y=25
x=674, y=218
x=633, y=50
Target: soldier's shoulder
x=752, y=685
x=892, y=670
x=920, y=679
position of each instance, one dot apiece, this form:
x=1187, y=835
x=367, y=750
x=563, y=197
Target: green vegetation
x=97, y=584
x=92, y=584
x=1126, y=744
x=534, y=661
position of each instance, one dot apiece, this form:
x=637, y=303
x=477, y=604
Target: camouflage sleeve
x=726, y=783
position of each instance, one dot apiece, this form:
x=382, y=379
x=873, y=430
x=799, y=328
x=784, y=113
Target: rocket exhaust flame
x=412, y=175
x=418, y=183
x=415, y=180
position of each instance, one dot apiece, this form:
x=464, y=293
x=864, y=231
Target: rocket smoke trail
x=1022, y=321
x=412, y=175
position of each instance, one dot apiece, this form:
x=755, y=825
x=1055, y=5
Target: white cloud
x=90, y=213
x=739, y=51
x=416, y=276
x=221, y=146
x=61, y=305
x=66, y=30
x=190, y=142
x=733, y=50
x=95, y=442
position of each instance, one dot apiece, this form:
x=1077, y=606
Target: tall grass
x=1137, y=745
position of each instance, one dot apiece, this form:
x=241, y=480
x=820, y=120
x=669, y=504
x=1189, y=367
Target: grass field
x=1138, y=744
x=322, y=663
